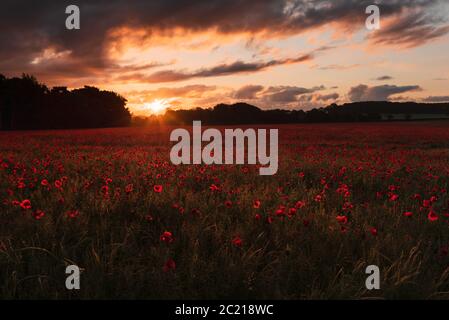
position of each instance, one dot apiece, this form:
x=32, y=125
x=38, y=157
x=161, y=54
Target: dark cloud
x=384, y=78
x=237, y=67
x=378, y=93
x=311, y=101
x=248, y=92
x=327, y=97
x=28, y=28
x=412, y=28
x=401, y=99
x=436, y=99
x=283, y=96
x=287, y=94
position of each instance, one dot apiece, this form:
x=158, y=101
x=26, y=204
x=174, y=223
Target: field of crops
x=109, y=201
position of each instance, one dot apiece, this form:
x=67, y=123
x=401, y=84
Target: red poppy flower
x=392, y=188
x=38, y=214
x=257, y=217
x=280, y=212
x=373, y=231
x=25, y=204
x=347, y=207
x=408, y=214
x=228, y=203
x=44, y=182
x=167, y=237
x=300, y=204
x=256, y=204
x=169, y=265
x=129, y=188
x=73, y=214
x=342, y=219
x=58, y=184
x=157, y=188
x=394, y=197
x=426, y=204
x=432, y=216
x=237, y=242
x=213, y=187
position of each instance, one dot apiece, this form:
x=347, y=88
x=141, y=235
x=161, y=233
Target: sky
x=290, y=54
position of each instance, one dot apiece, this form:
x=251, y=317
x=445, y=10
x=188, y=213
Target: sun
x=157, y=106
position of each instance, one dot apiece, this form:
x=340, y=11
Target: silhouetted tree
x=27, y=104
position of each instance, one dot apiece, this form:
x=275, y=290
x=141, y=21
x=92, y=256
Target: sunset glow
x=156, y=106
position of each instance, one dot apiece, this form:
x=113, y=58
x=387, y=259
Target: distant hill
x=243, y=113
x=393, y=107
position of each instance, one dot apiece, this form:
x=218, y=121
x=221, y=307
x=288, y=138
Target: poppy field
x=109, y=201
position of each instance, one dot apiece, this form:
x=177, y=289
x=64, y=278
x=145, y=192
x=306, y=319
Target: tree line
x=242, y=113
x=27, y=104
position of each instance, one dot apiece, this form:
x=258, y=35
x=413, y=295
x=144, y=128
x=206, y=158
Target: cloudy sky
x=271, y=53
